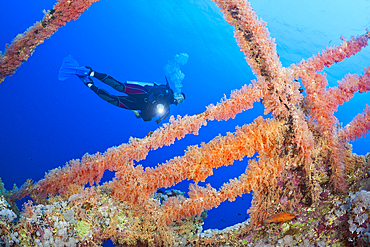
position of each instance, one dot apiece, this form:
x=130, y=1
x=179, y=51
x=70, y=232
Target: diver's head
x=179, y=97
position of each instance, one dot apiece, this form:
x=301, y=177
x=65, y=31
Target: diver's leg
x=107, y=79
x=119, y=86
x=126, y=102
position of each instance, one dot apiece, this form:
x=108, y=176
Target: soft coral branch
x=358, y=127
x=23, y=46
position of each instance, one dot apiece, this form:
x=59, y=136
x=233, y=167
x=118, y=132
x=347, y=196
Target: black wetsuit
x=142, y=98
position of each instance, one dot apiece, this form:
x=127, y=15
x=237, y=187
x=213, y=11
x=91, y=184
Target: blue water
x=45, y=122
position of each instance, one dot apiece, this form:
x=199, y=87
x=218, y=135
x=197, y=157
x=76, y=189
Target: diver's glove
x=137, y=114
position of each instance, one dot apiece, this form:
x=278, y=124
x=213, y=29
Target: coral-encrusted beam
x=252, y=36
x=333, y=54
x=198, y=162
x=280, y=91
x=24, y=44
x=358, y=127
x=91, y=168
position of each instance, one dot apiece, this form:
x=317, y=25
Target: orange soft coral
x=24, y=45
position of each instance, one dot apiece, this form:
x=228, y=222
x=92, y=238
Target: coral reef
x=309, y=188
x=89, y=218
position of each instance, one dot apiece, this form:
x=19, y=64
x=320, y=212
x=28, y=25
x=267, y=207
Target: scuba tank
x=151, y=84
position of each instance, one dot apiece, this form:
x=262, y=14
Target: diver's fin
x=71, y=67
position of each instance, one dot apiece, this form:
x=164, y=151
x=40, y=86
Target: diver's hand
x=137, y=114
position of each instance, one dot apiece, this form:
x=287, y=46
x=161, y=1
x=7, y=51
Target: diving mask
x=179, y=97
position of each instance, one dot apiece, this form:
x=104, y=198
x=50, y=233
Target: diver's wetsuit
x=143, y=98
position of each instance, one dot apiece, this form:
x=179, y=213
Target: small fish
x=239, y=214
x=280, y=217
x=150, y=133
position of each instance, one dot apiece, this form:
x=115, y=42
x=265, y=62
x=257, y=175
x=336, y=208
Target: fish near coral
x=280, y=217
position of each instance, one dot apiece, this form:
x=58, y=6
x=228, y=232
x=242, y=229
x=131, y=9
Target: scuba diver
x=145, y=99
